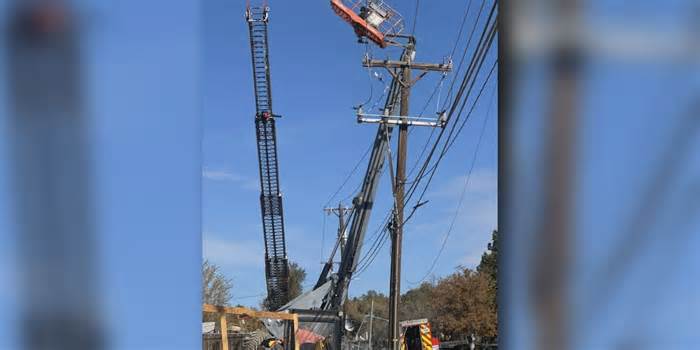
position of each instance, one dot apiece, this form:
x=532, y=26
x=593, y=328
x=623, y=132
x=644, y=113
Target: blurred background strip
x=100, y=176
x=600, y=175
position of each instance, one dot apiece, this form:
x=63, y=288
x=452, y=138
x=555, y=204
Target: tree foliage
x=418, y=303
x=297, y=276
x=464, y=305
x=216, y=288
x=458, y=305
x=489, y=260
x=359, y=307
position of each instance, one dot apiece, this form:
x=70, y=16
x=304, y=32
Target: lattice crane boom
x=276, y=265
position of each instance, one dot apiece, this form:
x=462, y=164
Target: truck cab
x=417, y=335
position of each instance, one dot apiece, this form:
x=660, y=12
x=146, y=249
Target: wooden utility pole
x=401, y=70
x=340, y=211
x=397, y=230
x=371, y=316
x=552, y=265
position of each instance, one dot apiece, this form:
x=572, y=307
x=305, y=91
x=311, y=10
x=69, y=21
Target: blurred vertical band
x=100, y=173
x=52, y=179
x=599, y=175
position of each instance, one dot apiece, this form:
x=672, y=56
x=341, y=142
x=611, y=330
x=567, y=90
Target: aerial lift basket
x=372, y=19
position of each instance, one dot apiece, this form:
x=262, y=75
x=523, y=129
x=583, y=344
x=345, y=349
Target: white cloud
x=482, y=182
x=221, y=175
x=233, y=253
x=477, y=217
x=244, y=182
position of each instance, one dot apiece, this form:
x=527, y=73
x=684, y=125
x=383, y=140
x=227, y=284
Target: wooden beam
x=225, y=310
x=295, y=324
x=224, y=332
x=249, y=312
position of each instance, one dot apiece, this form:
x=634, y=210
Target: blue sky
x=316, y=79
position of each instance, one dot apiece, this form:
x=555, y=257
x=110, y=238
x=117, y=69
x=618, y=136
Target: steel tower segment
x=276, y=265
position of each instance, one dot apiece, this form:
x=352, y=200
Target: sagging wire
x=323, y=236
x=461, y=196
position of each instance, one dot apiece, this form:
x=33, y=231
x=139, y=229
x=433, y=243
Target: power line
x=466, y=48
x=415, y=18
x=461, y=26
x=479, y=55
x=461, y=196
x=475, y=66
x=323, y=235
x=347, y=178
x=434, y=168
x=439, y=85
x=249, y=296
x=379, y=237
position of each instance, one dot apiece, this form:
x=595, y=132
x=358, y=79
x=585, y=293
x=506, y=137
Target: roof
x=416, y=322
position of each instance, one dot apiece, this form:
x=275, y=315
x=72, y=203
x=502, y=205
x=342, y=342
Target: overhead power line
x=455, y=119
x=415, y=17
x=461, y=197
x=469, y=79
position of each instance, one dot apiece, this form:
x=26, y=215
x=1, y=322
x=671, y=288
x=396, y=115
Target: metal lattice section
x=276, y=267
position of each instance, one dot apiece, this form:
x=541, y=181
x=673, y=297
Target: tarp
x=208, y=327
x=311, y=300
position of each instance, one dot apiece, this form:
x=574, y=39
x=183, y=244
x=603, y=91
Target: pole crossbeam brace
x=439, y=67
x=398, y=120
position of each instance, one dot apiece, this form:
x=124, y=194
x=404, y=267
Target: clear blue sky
x=316, y=78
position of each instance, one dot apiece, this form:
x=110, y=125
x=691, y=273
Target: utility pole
x=371, y=316
x=552, y=267
x=401, y=70
x=340, y=211
x=397, y=230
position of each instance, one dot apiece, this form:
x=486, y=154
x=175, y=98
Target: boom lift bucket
x=372, y=19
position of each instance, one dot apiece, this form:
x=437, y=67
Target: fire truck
x=417, y=335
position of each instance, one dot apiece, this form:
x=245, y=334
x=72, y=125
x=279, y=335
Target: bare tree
x=216, y=288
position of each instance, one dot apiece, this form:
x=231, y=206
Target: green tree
x=464, y=305
x=489, y=260
x=358, y=309
x=216, y=287
x=297, y=276
x=418, y=303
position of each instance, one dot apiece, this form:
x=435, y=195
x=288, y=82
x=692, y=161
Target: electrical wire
x=323, y=235
x=431, y=172
x=475, y=66
x=249, y=296
x=434, y=168
x=466, y=79
x=379, y=236
x=347, y=178
x=483, y=47
x=415, y=18
x=466, y=49
x=461, y=27
x=461, y=196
